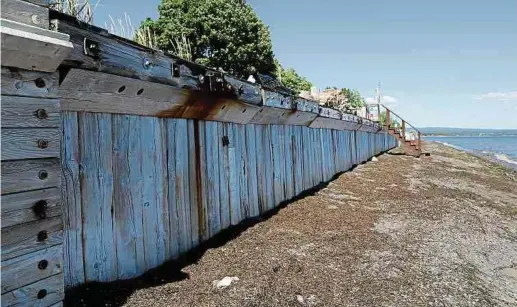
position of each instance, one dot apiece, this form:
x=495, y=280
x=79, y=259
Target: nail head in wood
x=42, y=144
x=41, y=113
x=43, y=175
x=43, y=264
x=42, y=293
x=42, y=235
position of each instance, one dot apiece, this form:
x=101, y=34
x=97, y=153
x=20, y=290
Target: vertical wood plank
x=71, y=202
x=125, y=224
x=268, y=167
x=134, y=139
x=278, y=186
x=233, y=176
x=193, y=185
x=251, y=171
x=243, y=171
x=175, y=242
x=260, y=169
x=289, y=167
x=155, y=205
x=181, y=179
x=224, y=174
x=204, y=231
x=96, y=195
x=212, y=173
x=298, y=160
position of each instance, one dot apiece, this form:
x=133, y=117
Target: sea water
x=501, y=149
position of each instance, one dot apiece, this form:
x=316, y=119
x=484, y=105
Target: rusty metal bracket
x=214, y=82
x=92, y=48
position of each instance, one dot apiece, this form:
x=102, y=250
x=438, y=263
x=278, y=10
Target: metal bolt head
x=42, y=144
x=201, y=78
x=41, y=113
x=36, y=19
x=147, y=63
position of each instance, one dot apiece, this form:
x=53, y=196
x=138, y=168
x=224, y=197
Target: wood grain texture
x=251, y=174
x=233, y=176
x=71, y=201
x=25, y=12
x=155, y=204
x=96, y=177
x=224, y=175
x=202, y=181
x=19, y=82
x=18, y=143
x=24, y=270
x=211, y=190
x=18, y=112
x=24, y=238
x=242, y=170
x=28, y=295
x=19, y=208
x=27, y=175
x=127, y=197
x=193, y=183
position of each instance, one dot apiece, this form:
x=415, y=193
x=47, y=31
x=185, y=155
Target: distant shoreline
x=499, y=159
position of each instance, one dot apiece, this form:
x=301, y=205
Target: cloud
x=389, y=100
x=498, y=96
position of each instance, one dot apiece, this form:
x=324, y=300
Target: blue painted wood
x=155, y=189
x=212, y=175
x=194, y=201
x=173, y=224
x=289, y=163
x=224, y=173
x=71, y=198
x=261, y=170
x=97, y=193
x=204, y=232
x=251, y=170
x=268, y=167
x=278, y=164
x=233, y=176
x=127, y=217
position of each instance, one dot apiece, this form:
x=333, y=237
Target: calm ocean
x=498, y=148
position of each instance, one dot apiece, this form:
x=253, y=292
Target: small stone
x=300, y=299
x=332, y=207
x=224, y=283
x=374, y=159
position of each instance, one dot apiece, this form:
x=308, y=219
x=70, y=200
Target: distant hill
x=442, y=131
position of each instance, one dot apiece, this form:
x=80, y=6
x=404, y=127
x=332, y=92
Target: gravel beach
x=400, y=231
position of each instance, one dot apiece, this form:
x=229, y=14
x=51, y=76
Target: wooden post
x=404, y=129
x=388, y=118
x=379, y=113
x=419, y=144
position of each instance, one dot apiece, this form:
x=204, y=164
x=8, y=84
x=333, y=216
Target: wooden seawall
x=117, y=158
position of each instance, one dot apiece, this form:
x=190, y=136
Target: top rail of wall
x=144, y=81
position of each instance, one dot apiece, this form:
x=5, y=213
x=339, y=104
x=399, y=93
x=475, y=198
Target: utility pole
x=379, y=103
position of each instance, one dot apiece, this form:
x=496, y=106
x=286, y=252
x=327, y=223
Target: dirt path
x=397, y=232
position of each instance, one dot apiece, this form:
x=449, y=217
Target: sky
x=440, y=63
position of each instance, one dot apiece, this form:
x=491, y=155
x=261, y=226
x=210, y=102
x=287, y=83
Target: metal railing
x=389, y=124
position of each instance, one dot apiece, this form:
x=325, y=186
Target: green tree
x=292, y=80
x=355, y=100
x=221, y=33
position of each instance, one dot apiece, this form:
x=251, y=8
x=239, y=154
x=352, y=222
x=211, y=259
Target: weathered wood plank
x=224, y=173
x=203, y=202
x=156, y=212
x=97, y=196
x=18, y=112
x=32, y=48
x=260, y=168
x=236, y=215
x=20, y=271
x=25, y=12
x=289, y=162
x=240, y=133
x=268, y=167
x=212, y=172
x=18, y=143
x=251, y=171
x=26, y=238
x=71, y=201
x=26, y=175
x=278, y=185
x=30, y=206
x=297, y=160
x=52, y=287
x=19, y=82
x=90, y=91
x=193, y=183
x=127, y=221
